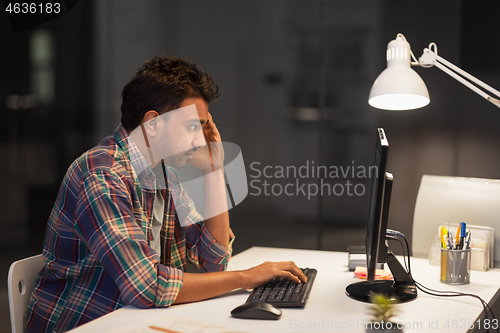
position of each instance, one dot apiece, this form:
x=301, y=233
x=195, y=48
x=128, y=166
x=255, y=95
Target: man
x=114, y=237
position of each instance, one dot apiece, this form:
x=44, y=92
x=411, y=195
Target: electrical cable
x=440, y=293
x=407, y=266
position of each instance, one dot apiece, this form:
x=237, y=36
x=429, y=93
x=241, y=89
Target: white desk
x=328, y=308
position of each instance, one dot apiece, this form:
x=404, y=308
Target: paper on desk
x=131, y=329
x=174, y=325
x=380, y=274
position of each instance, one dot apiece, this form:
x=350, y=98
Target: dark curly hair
x=161, y=84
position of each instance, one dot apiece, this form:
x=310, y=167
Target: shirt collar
x=141, y=167
x=149, y=179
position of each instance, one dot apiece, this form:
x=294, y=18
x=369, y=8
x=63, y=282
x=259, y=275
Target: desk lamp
x=399, y=87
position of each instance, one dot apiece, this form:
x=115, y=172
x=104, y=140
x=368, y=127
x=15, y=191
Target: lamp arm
x=429, y=59
x=470, y=85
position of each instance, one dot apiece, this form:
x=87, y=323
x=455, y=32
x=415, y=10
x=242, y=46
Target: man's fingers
x=300, y=275
x=211, y=131
x=294, y=271
x=291, y=277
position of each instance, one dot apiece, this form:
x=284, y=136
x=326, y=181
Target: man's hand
x=258, y=275
x=202, y=286
x=210, y=157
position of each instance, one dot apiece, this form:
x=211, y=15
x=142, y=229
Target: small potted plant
x=383, y=309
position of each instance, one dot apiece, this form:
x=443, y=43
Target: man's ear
x=150, y=121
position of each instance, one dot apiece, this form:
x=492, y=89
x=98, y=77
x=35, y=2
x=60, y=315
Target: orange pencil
x=161, y=329
x=457, y=236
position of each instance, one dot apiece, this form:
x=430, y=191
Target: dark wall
x=457, y=133
x=45, y=116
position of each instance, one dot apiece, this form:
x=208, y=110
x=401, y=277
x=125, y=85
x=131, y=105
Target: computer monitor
x=402, y=287
x=375, y=244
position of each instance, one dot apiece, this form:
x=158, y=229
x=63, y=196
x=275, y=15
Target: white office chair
x=21, y=281
x=441, y=199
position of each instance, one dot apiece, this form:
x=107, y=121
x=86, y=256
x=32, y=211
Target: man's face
x=180, y=132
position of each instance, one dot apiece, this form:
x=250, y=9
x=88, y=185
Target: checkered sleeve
x=106, y=223
x=208, y=253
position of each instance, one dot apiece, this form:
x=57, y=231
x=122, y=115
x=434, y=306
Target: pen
x=161, y=329
x=462, y=229
x=451, y=240
x=467, y=240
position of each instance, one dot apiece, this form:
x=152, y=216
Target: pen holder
x=455, y=266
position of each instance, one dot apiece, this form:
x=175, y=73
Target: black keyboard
x=284, y=293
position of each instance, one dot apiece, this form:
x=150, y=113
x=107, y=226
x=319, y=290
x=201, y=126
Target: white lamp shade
x=398, y=88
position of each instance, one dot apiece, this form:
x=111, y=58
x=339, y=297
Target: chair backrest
x=21, y=281
x=442, y=199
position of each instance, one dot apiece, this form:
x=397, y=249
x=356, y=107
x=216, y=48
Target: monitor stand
x=401, y=288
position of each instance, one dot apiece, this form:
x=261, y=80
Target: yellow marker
x=444, y=238
x=444, y=234
x=443, y=264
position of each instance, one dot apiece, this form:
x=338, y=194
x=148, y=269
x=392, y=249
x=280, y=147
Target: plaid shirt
x=96, y=249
